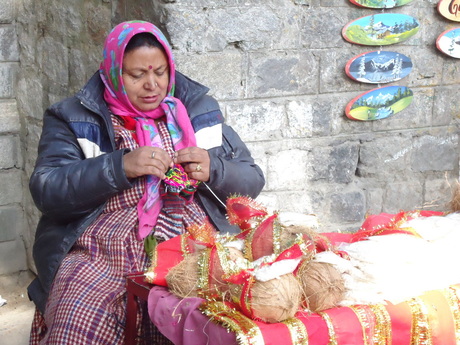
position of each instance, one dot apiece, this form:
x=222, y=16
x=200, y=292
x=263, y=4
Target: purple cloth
x=182, y=322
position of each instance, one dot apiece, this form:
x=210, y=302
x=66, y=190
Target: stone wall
x=277, y=69
x=12, y=253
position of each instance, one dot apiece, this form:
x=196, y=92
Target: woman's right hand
x=147, y=160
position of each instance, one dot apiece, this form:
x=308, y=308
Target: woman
x=99, y=182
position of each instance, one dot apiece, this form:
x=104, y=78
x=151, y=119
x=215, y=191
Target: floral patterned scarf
x=115, y=95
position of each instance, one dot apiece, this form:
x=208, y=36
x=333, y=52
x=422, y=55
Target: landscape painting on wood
x=380, y=3
x=377, y=67
x=381, y=29
x=379, y=103
x=449, y=42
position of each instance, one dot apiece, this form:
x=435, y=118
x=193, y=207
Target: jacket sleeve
x=65, y=185
x=233, y=170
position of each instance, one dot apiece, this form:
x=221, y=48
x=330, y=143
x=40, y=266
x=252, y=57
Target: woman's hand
x=195, y=161
x=147, y=160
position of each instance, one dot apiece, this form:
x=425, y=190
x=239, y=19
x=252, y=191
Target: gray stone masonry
x=12, y=225
x=277, y=69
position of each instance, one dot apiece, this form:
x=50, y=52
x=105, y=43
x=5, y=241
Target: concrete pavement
x=16, y=315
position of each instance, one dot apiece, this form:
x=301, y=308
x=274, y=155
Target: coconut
x=322, y=284
x=184, y=279
x=271, y=301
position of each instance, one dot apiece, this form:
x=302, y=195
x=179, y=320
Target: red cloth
x=433, y=315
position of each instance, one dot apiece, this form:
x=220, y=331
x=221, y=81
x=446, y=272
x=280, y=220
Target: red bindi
x=150, y=67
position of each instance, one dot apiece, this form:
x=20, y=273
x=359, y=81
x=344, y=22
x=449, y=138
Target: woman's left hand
x=195, y=161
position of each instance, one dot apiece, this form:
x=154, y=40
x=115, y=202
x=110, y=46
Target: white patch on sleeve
x=90, y=149
x=209, y=137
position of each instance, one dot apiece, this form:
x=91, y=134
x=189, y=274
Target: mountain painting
x=381, y=29
x=449, y=42
x=380, y=3
x=379, y=103
x=378, y=67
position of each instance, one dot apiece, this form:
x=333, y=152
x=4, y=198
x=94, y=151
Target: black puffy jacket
x=71, y=189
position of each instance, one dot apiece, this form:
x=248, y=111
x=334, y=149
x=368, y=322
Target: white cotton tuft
x=276, y=270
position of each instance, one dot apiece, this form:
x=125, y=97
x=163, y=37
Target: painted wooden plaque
x=379, y=103
x=381, y=29
x=449, y=9
x=380, y=3
x=449, y=42
x=378, y=67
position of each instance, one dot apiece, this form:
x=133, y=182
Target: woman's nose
x=150, y=83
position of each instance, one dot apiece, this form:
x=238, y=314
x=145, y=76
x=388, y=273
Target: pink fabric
x=115, y=95
x=181, y=321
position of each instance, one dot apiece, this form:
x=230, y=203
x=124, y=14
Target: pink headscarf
x=115, y=95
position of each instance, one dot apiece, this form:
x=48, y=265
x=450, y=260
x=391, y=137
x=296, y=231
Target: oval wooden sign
x=380, y=3
x=450, y=9
x=381, y=29
x=378, y=67
x=379, y=103
x=449, y=42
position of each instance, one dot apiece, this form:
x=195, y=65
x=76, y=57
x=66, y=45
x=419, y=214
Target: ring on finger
x=153, y=154
x=198, y=167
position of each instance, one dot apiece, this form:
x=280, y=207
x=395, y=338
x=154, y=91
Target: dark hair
x=144, y=39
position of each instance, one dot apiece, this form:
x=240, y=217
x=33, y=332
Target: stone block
x=9, y=116
x=211, y=4
x=435, y=153
x=287, y=171
x=83, y=65
x=403, y=195
x=12, y=257
x=255, y=121
x=438, y=193
x=221, y=73
x=291, y=20
x=445, y=106
x=215, y=29
x=334, y=163
x=8, y=73
x=255, y=28
x=300, y=119
x=52, y=58
x=384, y=157
x=282, y=74
x=347, y=207
x=9, y=152
x=7, y=11
x=332, y=72
x=11, y=186
x=374, y=199
x=10, y=223
x=258, y=153
x=32, y=106
x=450, y=72
x=427, y=68
x=8, y=44
x=431, y=26
x=291, y=201
x=321, y=27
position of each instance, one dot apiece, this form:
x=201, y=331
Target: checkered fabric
x=87, y=302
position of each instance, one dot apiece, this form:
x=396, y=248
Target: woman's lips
x=150, y=99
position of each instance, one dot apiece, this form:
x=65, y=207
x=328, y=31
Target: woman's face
x=146, y=77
